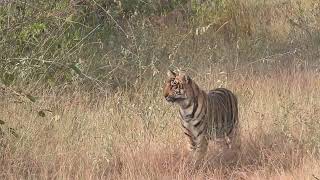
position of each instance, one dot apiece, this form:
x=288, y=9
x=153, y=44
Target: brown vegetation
x=137, y=135
x=81, y=87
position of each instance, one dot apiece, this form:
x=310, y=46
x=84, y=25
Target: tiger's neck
x=192, y=107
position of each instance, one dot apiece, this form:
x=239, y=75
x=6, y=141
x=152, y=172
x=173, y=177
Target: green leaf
x=8, y=78
x=13, y=132
x=41, y=113
x=76, y=69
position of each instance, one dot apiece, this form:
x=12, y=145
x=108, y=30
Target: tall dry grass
x=137, y=135
x=267, y=52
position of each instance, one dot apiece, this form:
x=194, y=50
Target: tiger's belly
x=199, y=127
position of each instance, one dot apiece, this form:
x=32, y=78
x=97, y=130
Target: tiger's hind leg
x=228, y=140
x=233, y=139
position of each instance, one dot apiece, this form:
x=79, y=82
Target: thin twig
x=315, y=177
x=54, y=61
x=111, y=18
x=265, y=59
x=222, y=26
x=83, y=39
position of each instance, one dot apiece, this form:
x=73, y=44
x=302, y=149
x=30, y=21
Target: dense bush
x=118, y=43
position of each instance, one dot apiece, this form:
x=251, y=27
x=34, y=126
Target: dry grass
x=136, y=135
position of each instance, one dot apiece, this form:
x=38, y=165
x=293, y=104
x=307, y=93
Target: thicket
x=107, y=44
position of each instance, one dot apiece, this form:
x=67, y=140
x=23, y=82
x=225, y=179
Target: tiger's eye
x=174, y=82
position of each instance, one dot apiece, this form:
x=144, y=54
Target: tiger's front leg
x=199, y=149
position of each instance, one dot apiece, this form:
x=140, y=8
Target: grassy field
x=81, y=87
x=137, y=135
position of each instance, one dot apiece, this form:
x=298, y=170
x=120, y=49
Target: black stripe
x=236, y=109
x=228, y=124
x=195, y=105
x=203, y=105
x=228, y=100
x=230, y=120
x=232, y=100
x=234, y=112
x=184, y=126
x=190, y=103
x=215, y=114
x=200, y=133
x=199, y=123
x=195, y=100
x=219, y=108
x=187, y=134
x=180, y=114
x=231, y=97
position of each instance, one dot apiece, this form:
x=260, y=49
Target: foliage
x=111, y=44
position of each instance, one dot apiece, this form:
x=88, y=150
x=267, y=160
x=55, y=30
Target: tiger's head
x=177, y=87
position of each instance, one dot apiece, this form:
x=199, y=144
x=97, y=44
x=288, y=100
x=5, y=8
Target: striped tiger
x=204, y=116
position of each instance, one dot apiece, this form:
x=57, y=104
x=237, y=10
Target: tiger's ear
x=184, y=77
x=171, y=74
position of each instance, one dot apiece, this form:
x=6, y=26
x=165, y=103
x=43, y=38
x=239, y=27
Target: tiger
x=204, y=116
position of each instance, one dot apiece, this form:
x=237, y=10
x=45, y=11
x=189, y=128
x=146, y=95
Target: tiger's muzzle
x=170, y=98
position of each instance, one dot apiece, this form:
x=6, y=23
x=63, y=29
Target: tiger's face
x=176, y=87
